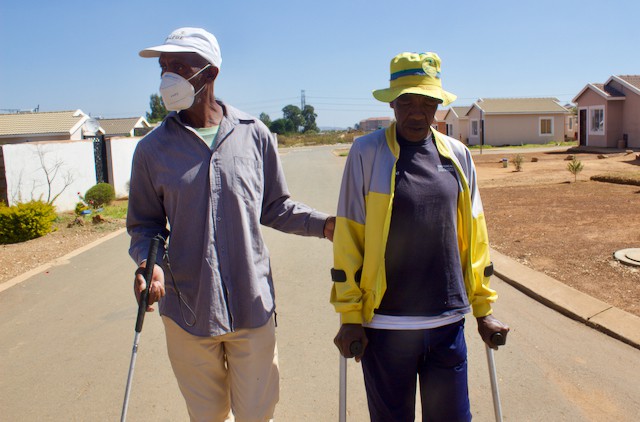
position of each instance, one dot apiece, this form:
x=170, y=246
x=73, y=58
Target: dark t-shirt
x=424, y=274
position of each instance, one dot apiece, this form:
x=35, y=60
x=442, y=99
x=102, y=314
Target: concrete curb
x=576, y=305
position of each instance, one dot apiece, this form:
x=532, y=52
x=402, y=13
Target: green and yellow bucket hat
x=413, y=73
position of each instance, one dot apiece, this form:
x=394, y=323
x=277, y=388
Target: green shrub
x=517, y=161
x=99, y=195
x=80, y=207
x=25, y=221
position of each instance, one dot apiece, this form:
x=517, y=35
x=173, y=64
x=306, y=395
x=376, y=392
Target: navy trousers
x=395, y=359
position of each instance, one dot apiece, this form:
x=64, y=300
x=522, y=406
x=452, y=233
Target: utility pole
x=303, y=101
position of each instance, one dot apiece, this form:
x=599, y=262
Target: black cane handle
x=144, y=295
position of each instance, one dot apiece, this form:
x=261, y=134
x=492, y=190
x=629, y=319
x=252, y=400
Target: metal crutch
x=500, y=340
x=142, y=309
x=355, y=348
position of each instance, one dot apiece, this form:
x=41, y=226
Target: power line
x=267, y=101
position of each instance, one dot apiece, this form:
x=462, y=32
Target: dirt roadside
x=565, y=229
x=539, y=216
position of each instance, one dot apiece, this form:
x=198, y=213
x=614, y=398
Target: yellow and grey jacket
x=364, y=216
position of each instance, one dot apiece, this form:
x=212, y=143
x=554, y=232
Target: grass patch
x=548, y=144
x=113, y=214
x=342, y=152
x=627, y=178
x=347, y=137
x=117, y=209
x=322, y=138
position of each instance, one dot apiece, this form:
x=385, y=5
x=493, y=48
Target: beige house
x=609, y=113
x=127, y=126
x=374, y=123
x=571, y=126
x=47, y=126
x=457, y=123
x=516, y=121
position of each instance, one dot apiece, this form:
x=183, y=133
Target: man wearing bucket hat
x=206, y=178
x=411, y=255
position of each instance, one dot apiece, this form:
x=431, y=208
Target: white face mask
x=177, y=93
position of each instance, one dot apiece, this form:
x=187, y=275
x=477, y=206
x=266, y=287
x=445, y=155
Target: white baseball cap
x=188, y=40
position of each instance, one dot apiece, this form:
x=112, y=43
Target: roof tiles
x=520, y=105
x=38, y=123
x=631, y=79
x=118, y=126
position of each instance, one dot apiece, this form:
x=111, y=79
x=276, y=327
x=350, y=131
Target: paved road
x=66, y=337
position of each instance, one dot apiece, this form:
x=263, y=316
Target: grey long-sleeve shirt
x=214, y=203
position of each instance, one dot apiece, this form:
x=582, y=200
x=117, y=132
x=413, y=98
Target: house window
x=474, y=128
x=546, y=126
x=596, y=121
x=570, y=123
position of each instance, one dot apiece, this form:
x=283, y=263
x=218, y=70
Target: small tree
x=517, y=161
x=282, y=126
x=264, y=118
x=309, y=115
x=158, y=110
x=294, y=115
x=575, y=166
x=51, y=171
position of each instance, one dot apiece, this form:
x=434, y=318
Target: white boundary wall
x=120, y=153
x=27, y=180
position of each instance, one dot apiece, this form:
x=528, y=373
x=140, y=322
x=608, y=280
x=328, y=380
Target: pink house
x=609, y=113
x=438, y=122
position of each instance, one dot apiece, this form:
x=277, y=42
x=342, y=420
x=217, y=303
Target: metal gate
x=100, y=158
x=4, y=194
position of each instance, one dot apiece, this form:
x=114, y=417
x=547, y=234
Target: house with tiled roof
x=374, y=123
x=457, y=123
x=46, y=126
x=438, y=121
x=609, y=113
x=516, y=121
x=127, y=126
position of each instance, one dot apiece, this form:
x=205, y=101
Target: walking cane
x=355, y=348
x=500, y=340
x=142, y=309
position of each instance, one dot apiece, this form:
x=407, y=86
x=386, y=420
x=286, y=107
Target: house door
x=583, y=128
x=100, y=158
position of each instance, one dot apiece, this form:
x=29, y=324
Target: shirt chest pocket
x=247, y=178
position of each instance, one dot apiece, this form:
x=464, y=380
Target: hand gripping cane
x=142, y=309
x=500, y=340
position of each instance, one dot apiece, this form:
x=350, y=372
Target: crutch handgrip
x=498, y=339
x=355, y=347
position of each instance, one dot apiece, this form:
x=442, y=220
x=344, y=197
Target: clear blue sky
x=64, y=55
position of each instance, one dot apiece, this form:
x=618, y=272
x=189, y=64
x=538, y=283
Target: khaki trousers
x=230, y=377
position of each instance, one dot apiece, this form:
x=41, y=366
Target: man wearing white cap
x=411, y=255
x=206, y=178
